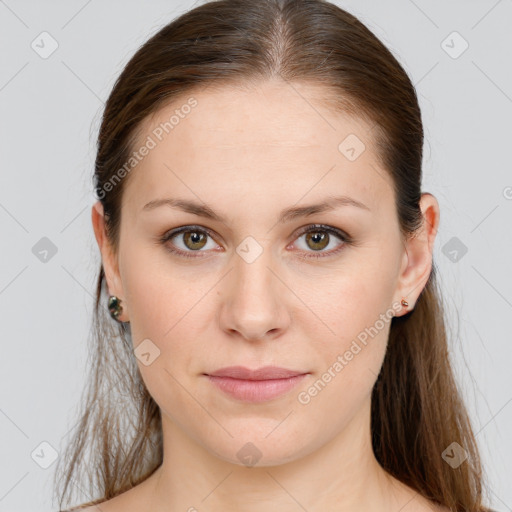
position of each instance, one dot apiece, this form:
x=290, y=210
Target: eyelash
x=344, y=237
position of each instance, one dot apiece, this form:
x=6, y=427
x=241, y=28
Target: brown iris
x=194, y=237
x=320, y=239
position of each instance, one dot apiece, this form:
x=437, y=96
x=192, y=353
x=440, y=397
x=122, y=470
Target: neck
x=341, y=475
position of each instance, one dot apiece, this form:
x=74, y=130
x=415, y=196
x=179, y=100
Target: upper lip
x=263, y=373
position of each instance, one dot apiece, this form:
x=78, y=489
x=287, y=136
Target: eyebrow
x=286, y=215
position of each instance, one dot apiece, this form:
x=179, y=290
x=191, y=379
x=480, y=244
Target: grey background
x=50, y=113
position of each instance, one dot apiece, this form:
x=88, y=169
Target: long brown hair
x=417, y=411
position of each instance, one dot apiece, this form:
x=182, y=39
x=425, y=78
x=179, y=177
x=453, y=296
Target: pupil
x=192, y=238
x=316, y=238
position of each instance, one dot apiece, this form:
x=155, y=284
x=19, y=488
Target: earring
x=404, y=302
x=114, y=307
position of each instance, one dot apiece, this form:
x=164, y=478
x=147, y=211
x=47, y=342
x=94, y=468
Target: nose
x=255, y=300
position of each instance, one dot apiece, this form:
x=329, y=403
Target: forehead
x=276, y=137
x=265, y=114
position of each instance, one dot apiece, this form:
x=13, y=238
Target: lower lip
x=255, y=390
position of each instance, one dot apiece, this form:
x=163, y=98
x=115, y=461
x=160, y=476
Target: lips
x=260, y=385
x=263, y=373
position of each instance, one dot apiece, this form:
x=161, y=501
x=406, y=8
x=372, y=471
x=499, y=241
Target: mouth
x=258, y=385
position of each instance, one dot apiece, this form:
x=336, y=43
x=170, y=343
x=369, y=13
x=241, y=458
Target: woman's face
x=254, y=289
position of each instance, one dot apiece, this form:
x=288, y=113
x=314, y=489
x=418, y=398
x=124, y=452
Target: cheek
x=352, y=357
x=158, y=296
x=344, y=382
x=349, y=299
x=167, y=329
x=170, y=315
x=355, y=312
x=167, y=316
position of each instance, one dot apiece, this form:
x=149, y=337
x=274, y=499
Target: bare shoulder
x=105, y=506
x=112, y=505
x=133, y=500
x=101, y=507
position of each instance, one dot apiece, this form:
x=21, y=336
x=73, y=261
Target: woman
x=276, y=338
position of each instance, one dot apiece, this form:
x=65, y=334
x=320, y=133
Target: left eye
x=194, y=239
x=319, y=238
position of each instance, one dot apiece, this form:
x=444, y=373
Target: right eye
x=193, y=239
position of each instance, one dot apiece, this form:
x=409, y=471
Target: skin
x=249, y=153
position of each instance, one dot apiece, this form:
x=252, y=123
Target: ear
x=417, y=257
x=108, y=257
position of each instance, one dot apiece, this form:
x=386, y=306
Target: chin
x=258, y=451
